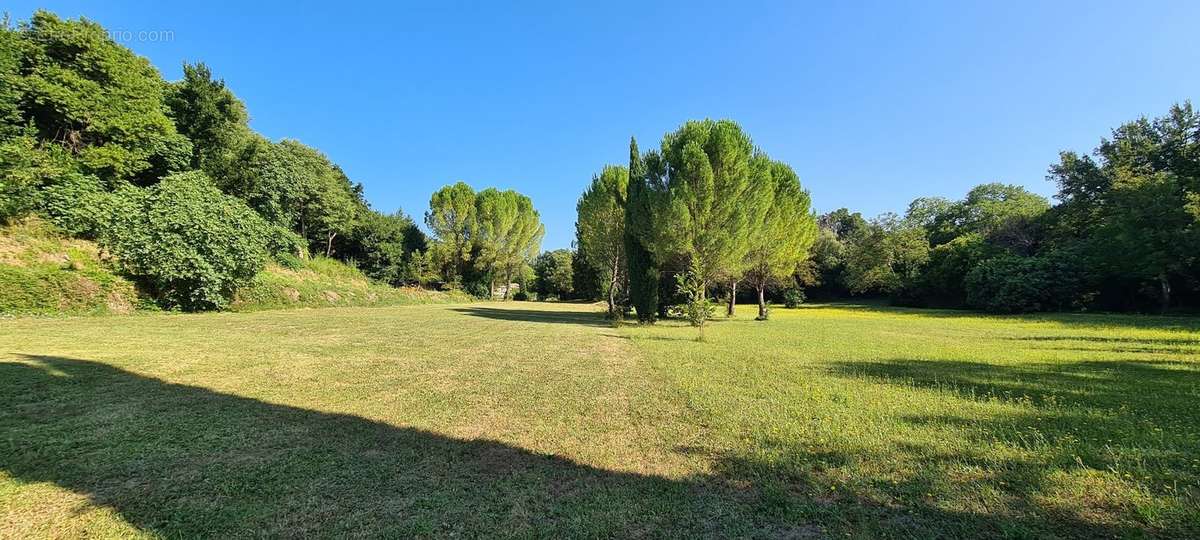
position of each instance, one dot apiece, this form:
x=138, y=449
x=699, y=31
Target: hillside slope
x=323, y=282
x=43, y=272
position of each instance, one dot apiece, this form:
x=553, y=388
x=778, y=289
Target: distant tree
x=641, y=230
x=1132, y=211
x=553, y=274
x=885, y=257
x=843, y=224
x=508, y=233
x=783, y=233
x=452, y=218
x=586, y=282
x=383, y=245
x=600, y=227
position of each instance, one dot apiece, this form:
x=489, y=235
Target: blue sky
x=873, y=104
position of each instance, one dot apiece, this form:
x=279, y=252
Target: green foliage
x=942, y=283
x=782, y=230
x=187, y=242
x=793, y=297
x=710, y=200
x=640, y=230
x=885, y=257
x=521, y=296
x=384, y=246
x=452, y=219
x=554, y=277
x=78, y=204
x=697, y=309
x=1131, y=212
x=508, y=233
x=1015, y=284
x=600, y=229
x=97, y=99
x=210, y=116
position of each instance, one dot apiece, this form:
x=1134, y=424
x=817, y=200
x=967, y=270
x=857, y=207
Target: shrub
x=698, y=309
x=283, y=241
x=78, y=204
x=521, y=296
x=1015, y=284
x=479, y=289
x=187, y=242
x=289, y=261
x=793, y=298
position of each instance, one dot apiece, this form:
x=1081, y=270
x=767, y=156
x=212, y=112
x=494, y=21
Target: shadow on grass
x=185, y=461
x=1150, y=322
x=535, y=315
x=1104, y=416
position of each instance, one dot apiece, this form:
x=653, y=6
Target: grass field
x=539, y=420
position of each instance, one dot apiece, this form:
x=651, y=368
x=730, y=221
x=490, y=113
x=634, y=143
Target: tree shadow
x=183, y=461
x=1103, y=416
x=535, y=315
x=1140, y=321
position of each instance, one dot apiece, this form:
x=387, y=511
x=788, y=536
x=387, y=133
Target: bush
x=187, y=242
x=282, y=241
x=479, y=290
x=289, y=261
x=521, y=296
x=793, y=298
x=1015, y=284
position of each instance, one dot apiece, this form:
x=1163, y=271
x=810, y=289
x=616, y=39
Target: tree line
x=168, y=177
x=1123, y=235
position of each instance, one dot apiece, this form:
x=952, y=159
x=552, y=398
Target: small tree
x=553, y=274
x=697, y=309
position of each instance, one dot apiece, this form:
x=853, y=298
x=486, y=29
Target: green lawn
x=539, y=420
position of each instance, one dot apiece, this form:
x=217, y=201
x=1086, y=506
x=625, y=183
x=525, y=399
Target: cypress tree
x=643, y=273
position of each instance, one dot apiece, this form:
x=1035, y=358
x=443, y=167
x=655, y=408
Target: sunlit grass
x=525, y=419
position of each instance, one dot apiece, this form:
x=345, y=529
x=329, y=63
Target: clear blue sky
x=873, y=104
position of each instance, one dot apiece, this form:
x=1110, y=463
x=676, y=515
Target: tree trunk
x=507, y=282
x=329, y=245
x=612, y=288
x=1165, y=288
x=732, y=298
x=762, y=303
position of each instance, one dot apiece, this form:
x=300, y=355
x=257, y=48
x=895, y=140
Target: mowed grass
x=539, y=420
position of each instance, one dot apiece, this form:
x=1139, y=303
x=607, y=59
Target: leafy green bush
x=289, y=261
x=1015, y=284
x=282, y=241
x=78, y=204
x=793, y=297
x=521, y=296
x=479, y=290
x=190, y=244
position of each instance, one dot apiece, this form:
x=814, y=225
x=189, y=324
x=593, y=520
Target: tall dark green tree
x=212, y=117
x=639, y=227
